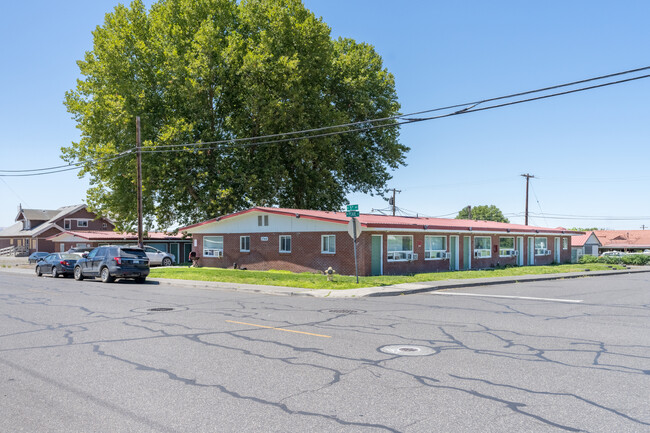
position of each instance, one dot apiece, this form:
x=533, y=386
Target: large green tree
x=209, y=71
x=483, y=213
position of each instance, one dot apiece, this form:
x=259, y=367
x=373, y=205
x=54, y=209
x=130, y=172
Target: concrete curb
x=395, y=290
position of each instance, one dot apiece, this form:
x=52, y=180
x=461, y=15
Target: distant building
x=178, y=246
x=35, y=226
x=585, y=244
x=629, y=241
x=311, y=241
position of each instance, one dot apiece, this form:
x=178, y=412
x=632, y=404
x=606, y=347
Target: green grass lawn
x=316, y=281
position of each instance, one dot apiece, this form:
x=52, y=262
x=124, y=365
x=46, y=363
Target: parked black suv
x=110, y=262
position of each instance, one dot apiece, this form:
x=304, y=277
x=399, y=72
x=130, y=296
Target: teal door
x=467, y=253
x=173, y=249
x=453, y=253
x=376, y=259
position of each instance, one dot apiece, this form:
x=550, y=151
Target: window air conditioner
x=415, y=256
x=547, y=253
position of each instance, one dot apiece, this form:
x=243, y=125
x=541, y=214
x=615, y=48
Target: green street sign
x=352, y=213
x=353, y=207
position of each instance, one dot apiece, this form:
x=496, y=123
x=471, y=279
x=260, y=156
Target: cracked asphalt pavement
x=566, y=355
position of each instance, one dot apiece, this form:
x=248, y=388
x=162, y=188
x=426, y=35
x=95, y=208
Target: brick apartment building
x=298, y=240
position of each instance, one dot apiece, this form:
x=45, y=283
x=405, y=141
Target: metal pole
x=139, y=187
x=354, y=235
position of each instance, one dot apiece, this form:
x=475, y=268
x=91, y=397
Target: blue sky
x=590, y=152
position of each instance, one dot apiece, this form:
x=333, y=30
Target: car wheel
x=106, y=276
x=55, y=273
x=38, y=271
x=78, y=275
x=166, y=261
x=141, y=280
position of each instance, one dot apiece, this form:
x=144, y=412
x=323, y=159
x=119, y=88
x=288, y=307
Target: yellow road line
x=279, y=329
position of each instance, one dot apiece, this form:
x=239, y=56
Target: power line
x=470, y=108
x=402, y=116
x=61, y=168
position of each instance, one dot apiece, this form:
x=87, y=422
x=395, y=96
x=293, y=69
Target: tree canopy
x=483, y=213
x=216, y=72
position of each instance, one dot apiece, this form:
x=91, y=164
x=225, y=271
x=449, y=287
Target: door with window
x=556, y=245
x=531, y=251
x=453, y=253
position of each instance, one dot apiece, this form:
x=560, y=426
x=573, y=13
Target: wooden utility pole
x=642, y=226
x=392, y=200
x=528, y=177
x=139, y=187
x=469, y=212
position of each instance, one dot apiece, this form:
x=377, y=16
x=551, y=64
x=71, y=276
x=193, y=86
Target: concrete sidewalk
x=394, y=290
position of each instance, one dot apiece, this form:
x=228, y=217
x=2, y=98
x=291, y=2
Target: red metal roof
x=401, y=222
x=623, y=238
x=107, y=235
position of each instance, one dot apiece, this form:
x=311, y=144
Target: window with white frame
x=482, y=246
x=541, y=246
x=435, y=247
x=213, y=246
x=262, y=220
x=328, y=244
x=82, y=223
x=506, y=247
x=565, y=243
x=244, y=244
x=285, y=243
x=104, y=225
x=400, y=248
x=67, y=224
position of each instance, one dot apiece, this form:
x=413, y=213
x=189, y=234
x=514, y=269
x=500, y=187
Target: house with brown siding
x=34, y=227
x=300, y=240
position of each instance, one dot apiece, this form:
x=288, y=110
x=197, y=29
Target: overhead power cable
x=399, y=120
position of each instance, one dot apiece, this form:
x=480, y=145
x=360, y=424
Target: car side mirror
x=40, y=259
x=84, y=255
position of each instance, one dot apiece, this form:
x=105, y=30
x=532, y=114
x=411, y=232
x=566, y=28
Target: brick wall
x=306, y=253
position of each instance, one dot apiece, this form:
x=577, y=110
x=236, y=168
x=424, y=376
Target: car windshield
x=70, y=256
x=133, y=253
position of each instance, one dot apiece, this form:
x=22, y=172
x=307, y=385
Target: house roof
x=581, y=240
x=623, y=238
x=395, y=222
x=38, y=214
x=105, y=235
x=16, y=230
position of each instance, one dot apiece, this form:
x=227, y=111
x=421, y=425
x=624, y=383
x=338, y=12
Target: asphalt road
x=91, y=357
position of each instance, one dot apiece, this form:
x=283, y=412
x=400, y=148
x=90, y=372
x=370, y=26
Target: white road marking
x=528, y=298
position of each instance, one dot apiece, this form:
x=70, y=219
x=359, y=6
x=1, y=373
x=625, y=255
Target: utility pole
x=469, y=212
x=391, y=201
x=528, y=177
x=139, y=187
x=642, y=226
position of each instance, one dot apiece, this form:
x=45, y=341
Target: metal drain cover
x=158, y=309
x=407, y=350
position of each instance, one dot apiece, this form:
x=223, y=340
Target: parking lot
x=565, y=355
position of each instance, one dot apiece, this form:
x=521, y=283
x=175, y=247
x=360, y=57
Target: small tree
x=484, y=213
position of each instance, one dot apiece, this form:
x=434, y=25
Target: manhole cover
x=404, y=350
x=158, y=309
x=344, y=311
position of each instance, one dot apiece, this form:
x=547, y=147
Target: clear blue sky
x=590, y=152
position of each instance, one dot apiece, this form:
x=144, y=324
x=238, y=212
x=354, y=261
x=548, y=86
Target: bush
x=636, y=259
x=588, y=259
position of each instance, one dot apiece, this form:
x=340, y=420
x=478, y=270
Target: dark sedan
x=35, y=257
x=57, y=264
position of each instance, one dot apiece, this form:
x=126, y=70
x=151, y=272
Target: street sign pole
x=354, y=235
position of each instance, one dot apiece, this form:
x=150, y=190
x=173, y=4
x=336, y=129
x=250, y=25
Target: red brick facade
x=306, y=255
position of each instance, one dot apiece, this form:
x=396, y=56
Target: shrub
x=588, y=259
x=636, y=259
